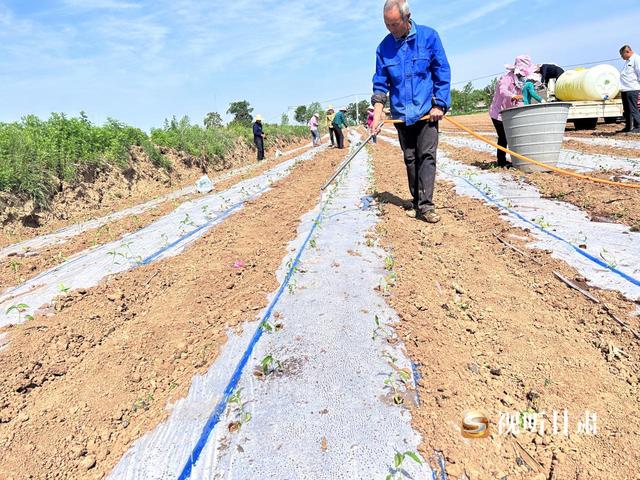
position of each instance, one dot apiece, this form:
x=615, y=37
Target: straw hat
x=258, y=118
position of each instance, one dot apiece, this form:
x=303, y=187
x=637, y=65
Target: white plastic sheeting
x=166, y=237
x=610, y=243
x=324, y=415
x=607, y=142
x=569, y=159
x=63, y=234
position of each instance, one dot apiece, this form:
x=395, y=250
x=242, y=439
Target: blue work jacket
x=415, y=72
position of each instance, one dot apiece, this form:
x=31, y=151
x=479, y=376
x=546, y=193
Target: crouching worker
x=412, y=70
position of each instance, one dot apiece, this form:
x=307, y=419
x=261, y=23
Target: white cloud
x=476, y=14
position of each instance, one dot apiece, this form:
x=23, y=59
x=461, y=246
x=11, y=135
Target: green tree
x=301, y=114
x=357, y=113
x=284, y=119
x=314, y=107
x=241, y=112
x=213, y=120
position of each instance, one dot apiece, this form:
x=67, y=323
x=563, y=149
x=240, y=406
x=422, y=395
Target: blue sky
x=141, y=61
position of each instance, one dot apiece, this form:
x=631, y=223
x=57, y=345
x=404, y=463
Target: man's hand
x=436, y=114
x=378, y=119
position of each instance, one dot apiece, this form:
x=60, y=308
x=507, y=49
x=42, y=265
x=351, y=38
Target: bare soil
x=494, y=330
x=603, y=203
x=78, y=388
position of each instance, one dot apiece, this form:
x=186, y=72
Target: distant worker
x=529, y=92
x=258, y=137
x=370, y=117
x=412, y=70
x=329, y=123
x=630, y=86
x=340, y=122
x=548, y=72
x=508, y=95
x=313, y=127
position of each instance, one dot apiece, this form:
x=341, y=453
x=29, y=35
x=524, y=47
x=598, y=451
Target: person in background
x=529, y=92
x=370, y=116
x=313, y=127
x=413, y=73
x=508, y=95
x=259, y=136
x=329, y=123
x=630, y=87
x=340, y=122
x=548, y=72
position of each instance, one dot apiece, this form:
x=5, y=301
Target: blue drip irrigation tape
x=221, y=216
x=579, y=250
x=214, y=419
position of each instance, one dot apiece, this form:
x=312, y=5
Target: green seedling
x=398, y=461
x=15, y=266
x=382, y=330
x=271, y=328
x=269, y=365
x=63, y=289
x=143, y=403
x=165, y=239
x=389, y=263
x=398, y=380
x=542, y=223
x=608, y=258
x=20, y=308
x=312, y=243
x=236, y=403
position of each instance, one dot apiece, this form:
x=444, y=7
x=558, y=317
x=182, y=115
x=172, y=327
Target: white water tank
x=588, y=84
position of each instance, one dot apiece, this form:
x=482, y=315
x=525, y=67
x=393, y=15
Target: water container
x=589, y=84
x=536, y=131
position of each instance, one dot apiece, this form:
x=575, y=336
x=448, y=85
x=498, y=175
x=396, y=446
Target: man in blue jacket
x=413, y=72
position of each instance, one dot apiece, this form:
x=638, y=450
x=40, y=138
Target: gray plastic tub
x=536, y=131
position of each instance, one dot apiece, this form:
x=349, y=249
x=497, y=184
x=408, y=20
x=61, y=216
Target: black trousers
x=630, y=106
x=339, y=137
x=332, y=135
x=419, y=143
x=502, y=141
x=259, y=141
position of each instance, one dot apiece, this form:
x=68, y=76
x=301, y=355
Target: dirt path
x=22, y=267
x=496, y=331
x=601, y=202
x=79, y=387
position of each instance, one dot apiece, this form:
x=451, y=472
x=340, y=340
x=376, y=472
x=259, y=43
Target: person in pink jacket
x=313, y=128
x=370, y=116
x=508, y=94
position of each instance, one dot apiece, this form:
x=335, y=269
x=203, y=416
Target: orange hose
x=527, y=159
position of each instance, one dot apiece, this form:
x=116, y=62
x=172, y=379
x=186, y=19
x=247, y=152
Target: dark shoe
x=624, y=130
x=429, y=217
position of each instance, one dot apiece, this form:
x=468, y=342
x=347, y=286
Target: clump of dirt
x=79, y=387
x=603, y=203
x=494, y=330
